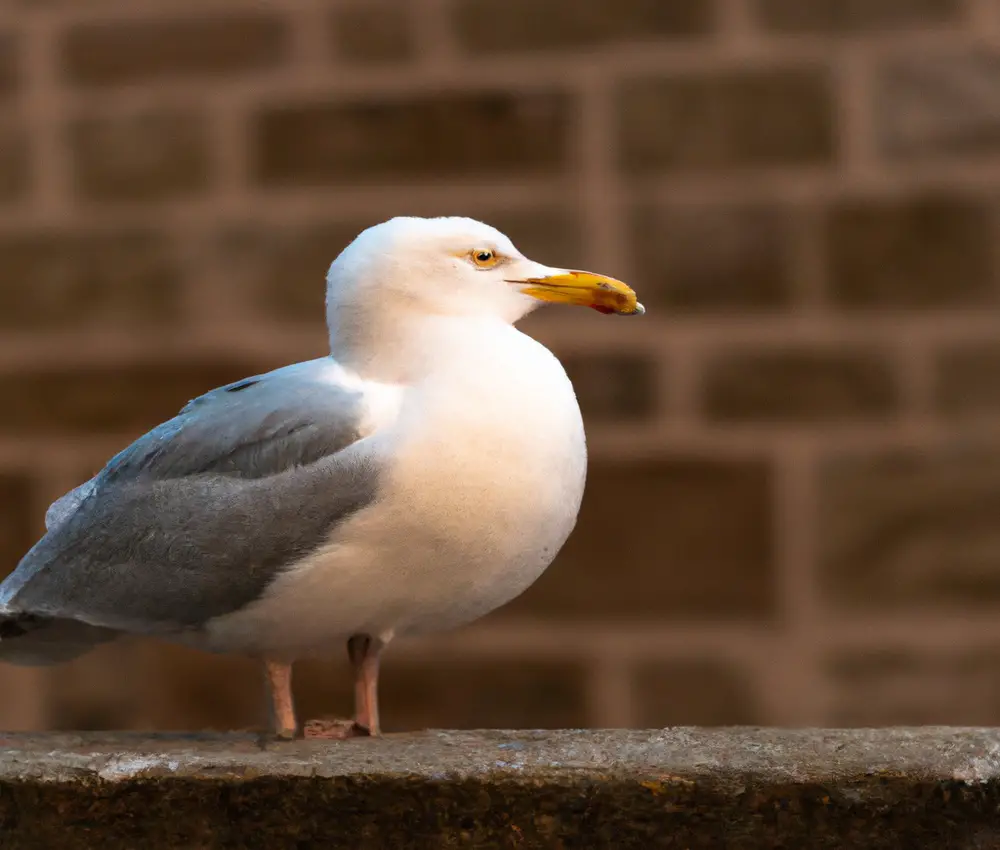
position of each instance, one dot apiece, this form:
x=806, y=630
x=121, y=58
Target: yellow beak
x=604, y=294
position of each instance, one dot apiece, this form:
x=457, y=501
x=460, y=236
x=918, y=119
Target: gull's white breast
x=485, y=472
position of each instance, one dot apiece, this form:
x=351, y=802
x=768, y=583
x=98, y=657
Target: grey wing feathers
x=196, y=518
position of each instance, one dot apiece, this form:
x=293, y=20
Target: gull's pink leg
x=279, y=685
x=364, y=652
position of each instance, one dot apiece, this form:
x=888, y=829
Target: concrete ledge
x=684, y=788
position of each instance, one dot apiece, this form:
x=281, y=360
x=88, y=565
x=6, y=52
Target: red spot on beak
x=602, y=309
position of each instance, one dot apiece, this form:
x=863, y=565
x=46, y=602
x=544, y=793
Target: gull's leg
x=279, y=685
x=364, y=653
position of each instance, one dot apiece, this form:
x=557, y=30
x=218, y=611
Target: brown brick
x=611, y=386
x=895, y=688
x=911, y=530
x=693, y=693
x=518, y=25
x=747, y=268
x=181, y=689
x=968, y=379
x=14, y=162
x=938, y=103
x=840, y=16
x=58, y=279
x=17, y=523
x=725, y=121
x=142, y=157
x=677, y=538
x=919, y=252
x=430, y=137
x=283, y=269
x=122, y=398
x=798, y=385
x=9, y=55
x=97, y=54
x=373, y=31
x=453, y=693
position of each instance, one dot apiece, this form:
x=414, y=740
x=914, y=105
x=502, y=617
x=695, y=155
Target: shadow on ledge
x=683, y=788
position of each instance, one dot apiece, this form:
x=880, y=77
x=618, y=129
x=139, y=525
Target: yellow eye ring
x=484, y=258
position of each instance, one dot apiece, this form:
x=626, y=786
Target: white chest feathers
x=484, y=470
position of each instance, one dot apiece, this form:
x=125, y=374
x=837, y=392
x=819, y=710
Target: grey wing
x=198, y=516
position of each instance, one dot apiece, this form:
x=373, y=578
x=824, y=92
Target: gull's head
x=459, y=266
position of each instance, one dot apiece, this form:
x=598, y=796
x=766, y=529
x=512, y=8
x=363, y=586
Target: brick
x=283, y=269
x=142, y=157
x=428, y=137
x=17, y=523
x=109, y=399
x=373, y=32
x=9, y=56
x=100, y=690
x=616, y=387
x=180, y=690
x=940, y=103
x=678, y=538
x=967, y=379
x=917, y=252
x=455, y=693
x=521, y=25
x=693, y=693
x=949, y=687
x=910, y=530
x=15, y=165
x=845, y=16
x=60, y=279
x=726, y=121
x=747, y=268
x=798, y=385
x=99, y=54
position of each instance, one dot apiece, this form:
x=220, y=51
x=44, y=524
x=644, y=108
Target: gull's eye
x=484, y=258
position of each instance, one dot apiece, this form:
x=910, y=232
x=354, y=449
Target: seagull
x=423, y=474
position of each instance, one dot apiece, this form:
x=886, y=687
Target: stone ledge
x=684, y=788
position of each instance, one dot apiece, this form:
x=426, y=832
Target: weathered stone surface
x=147, y=156
x=968, y=379
x=725, y=121
x=841, y=16
x=938, y=103
x=747, y=268
x=483, y=134
x=679, y=537
x=373, y=32
x=679, y=788
x=58, y=279
x=912, y=529
x=926, y=251
x=128, y=51
x=520, y=25
x=798, y=385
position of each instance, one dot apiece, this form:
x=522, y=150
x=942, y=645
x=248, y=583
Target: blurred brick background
x=793, y=513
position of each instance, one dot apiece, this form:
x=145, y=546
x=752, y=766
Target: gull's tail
x=33, y=640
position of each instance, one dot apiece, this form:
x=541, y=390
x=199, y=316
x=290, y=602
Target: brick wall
x=802, y=432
